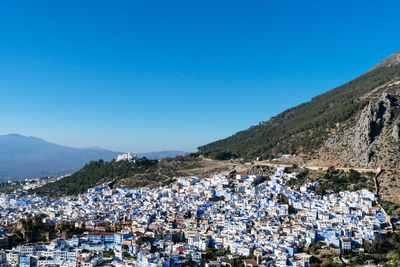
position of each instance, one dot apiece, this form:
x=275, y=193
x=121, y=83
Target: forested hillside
x=94, y=173
x=143, y=172
x=304, y=127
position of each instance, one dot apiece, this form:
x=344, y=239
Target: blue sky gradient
x=155, y=75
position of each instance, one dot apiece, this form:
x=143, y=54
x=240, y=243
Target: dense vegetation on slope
x=143, y=172
x=303, y=127
x=335, y=181
x=393, y=209
x=8, y=188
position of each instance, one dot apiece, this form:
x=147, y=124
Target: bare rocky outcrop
x=373, y=119
x=369, y=141
x=396, y=133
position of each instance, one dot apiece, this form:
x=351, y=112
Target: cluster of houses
x=3, y=238
x=58, y=253
x=174, y=225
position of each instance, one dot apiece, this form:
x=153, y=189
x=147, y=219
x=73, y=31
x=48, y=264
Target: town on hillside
x=236, y=220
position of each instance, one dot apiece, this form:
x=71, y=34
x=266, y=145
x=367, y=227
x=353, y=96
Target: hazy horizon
x=94, y=147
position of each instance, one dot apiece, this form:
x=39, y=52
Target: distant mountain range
x=29, y=157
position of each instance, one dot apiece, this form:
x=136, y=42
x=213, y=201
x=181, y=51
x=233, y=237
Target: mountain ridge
x=355, y=125
x=392, y=60
x=308, y=121
x=32, y=157
x=162, y=154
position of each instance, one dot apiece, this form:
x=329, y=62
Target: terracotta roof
x=250, y=262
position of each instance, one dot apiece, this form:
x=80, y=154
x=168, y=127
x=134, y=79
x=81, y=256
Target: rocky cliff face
x=371, y=140
x=375, y=118
x=396, y=133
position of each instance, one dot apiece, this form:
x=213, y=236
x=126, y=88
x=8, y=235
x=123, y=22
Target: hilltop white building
x=127, y=156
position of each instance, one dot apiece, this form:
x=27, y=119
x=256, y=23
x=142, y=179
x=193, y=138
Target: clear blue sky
x=154, y=75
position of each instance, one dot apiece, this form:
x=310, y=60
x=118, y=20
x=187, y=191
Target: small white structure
x=346, y=243
x=127, y=156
